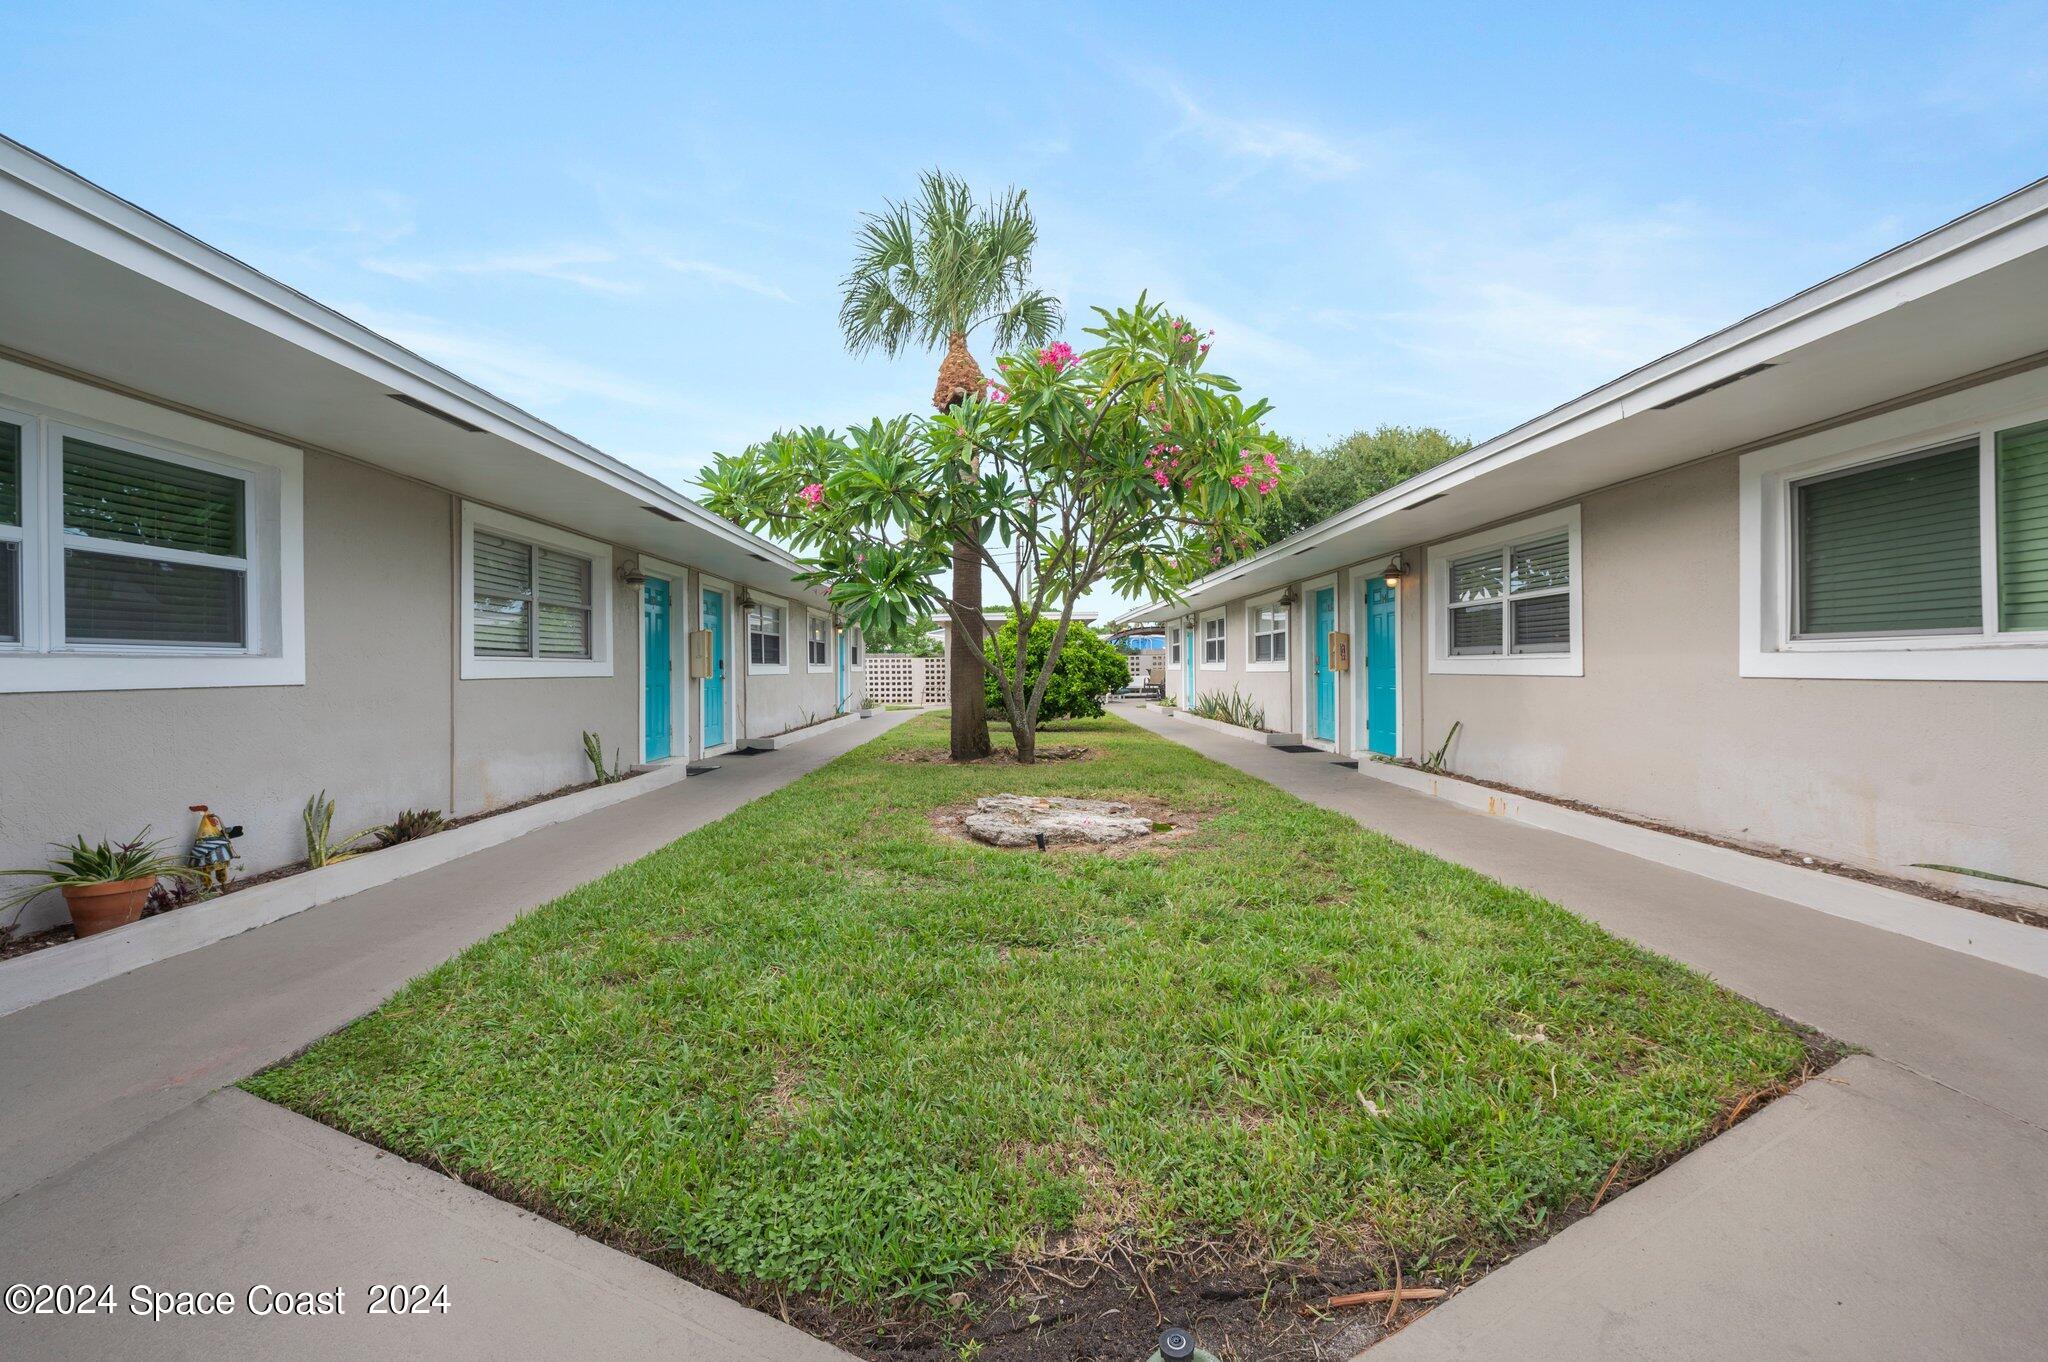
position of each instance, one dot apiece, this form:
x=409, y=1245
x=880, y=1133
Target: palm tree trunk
x=964, y=673
x=959, y=379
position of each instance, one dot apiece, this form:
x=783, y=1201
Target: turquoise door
x=1382, y=669
x=1187, y=665
x=654, y=616
x=842, y=671
x=713, y=616
x=1326, y=680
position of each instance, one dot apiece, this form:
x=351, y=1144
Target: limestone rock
x=1010, y=820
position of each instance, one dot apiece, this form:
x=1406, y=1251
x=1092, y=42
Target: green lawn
x=820, y=1047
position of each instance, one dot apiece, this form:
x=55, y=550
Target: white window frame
x=1769, y=568
x=1252, y=633
x=1221, y=639
x=812, y=620
x=48, y=408
x=474, y=668
x=1570, y=662
x=747, y=632
x=1173, y=647
x=856, y=656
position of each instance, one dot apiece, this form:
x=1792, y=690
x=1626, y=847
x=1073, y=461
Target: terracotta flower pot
x=102, y=907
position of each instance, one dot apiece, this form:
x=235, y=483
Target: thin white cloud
x=568, y=264
x=530, y=375
x=1263, y=141
x=720, y=274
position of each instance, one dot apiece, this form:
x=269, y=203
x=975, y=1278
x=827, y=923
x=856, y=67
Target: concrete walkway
x=1897, y=1208
x=122, y=1162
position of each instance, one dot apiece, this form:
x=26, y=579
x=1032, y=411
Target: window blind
x=10, y=592
x=2022, y=478
x=112, y=598
x=502, y=571
x=10, y=473
x=1892, y=548
x=564, y=605
x=113, y=494
x=1543, y=624
x=1476, y=579
x=1541, y=565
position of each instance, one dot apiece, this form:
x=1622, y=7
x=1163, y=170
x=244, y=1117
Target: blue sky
x=632, y=220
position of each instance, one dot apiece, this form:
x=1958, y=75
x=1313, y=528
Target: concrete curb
x=42, y=975
x=2012, y=944
x=791, y=739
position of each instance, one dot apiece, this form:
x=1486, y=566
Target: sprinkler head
x=1176, y=1345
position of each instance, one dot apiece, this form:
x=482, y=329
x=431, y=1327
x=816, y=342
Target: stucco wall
x=1880, y=773
x=371, y=724
x=1276, y=690
x=521, y=736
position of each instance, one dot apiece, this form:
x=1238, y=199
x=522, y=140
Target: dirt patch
x=1002, y=756
x=1171, y=828
x=2011, y=912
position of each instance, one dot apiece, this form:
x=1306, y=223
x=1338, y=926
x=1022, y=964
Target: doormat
x=1295, y=747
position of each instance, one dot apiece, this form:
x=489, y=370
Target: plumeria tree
x=1123, y=464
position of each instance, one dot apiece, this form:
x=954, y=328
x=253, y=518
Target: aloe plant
x=322, y=846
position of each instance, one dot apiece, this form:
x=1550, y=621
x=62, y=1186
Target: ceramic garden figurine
x=213, y=850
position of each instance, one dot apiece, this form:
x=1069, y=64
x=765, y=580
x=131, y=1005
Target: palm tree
x=930, y=273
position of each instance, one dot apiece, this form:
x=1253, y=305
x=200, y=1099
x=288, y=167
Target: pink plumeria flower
x=1238, y=480
x=1272, y=461
x=1266, y=485
x=814, y=493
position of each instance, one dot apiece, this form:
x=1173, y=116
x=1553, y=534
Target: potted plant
x=105, y=886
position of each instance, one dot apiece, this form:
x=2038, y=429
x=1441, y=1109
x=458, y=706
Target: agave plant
x=107, y=863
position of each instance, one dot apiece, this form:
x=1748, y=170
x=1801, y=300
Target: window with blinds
x=10, y=532
x=155, y=551
x=528, y=600
x=1212, y=642
x=1269, y=633
x=1515, y=599
x=1891, y=548
x=764, y=635
x=820, y=642
x=2022, y=520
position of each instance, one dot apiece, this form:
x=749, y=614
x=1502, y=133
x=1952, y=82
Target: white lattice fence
x=896, y=679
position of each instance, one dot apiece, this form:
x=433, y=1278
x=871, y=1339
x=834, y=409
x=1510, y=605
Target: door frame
x=678, y=579
x=718, y=587
x=1307, y=606
x=1361, y=737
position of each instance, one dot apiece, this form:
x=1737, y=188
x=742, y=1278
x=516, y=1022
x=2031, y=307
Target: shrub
x=1088, y=669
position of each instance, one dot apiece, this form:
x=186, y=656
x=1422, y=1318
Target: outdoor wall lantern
x=1396, y=570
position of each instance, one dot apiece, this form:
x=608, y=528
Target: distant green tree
x=915, y=637
x=1088, y=669
x=1361, y=465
